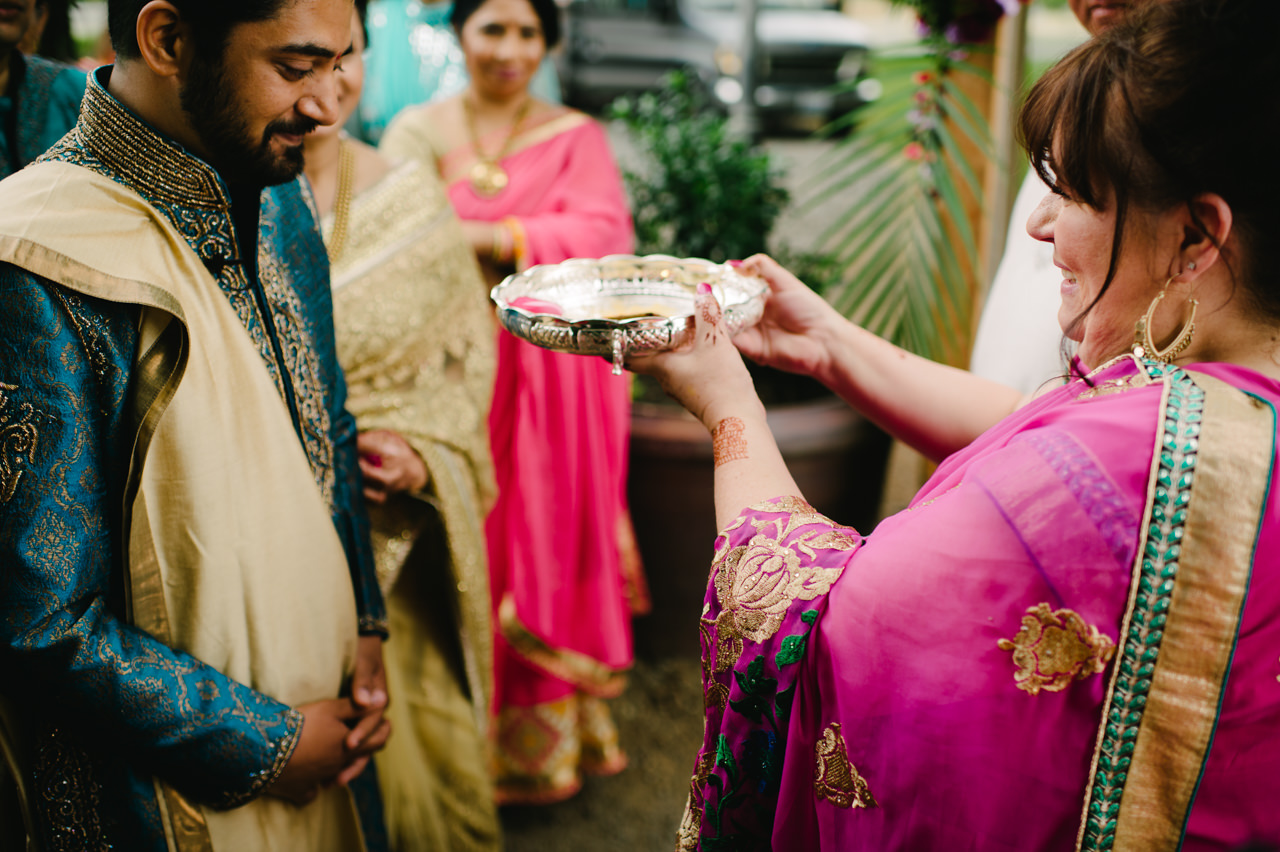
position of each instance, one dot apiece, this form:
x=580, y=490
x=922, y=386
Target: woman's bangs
x=1063, y=125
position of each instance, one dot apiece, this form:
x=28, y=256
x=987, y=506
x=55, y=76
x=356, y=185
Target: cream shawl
x=233, y=557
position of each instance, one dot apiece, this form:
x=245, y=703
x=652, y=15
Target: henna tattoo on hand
x=709, y=310
x=729, y=441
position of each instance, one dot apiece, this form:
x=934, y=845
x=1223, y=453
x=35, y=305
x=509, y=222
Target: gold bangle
x=519, y=242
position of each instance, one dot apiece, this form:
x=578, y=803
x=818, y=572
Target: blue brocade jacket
x=104, y=705
x=41, y=106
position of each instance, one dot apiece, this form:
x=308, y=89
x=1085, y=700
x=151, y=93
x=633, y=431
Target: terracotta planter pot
x=836, y=456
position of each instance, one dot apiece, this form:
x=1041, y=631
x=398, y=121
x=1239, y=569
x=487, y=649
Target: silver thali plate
x=622, y=304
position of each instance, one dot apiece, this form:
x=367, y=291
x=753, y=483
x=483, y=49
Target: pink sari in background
x=941, y=683
x=564, y=568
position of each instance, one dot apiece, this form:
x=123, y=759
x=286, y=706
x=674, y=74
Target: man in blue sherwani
x=190, y=626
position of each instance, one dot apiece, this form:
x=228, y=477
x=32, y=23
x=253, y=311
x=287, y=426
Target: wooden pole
x=1000, y=189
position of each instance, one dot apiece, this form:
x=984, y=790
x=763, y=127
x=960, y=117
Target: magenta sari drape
x=939, y=683
x=560, y=552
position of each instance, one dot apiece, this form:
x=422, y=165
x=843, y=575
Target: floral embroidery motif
x=1054, y=648
x=67, y=794
x=91, y=330
x=690, y=833
x=774, y=565
x=18, y=437
x=264, y=778
x=757, y=583
x=835, y=779
x=724, y=652
x=690, y=829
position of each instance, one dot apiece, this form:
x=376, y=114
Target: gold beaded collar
x=152, y=165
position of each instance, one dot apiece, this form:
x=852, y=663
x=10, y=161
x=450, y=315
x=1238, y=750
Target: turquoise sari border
x=1161, y=547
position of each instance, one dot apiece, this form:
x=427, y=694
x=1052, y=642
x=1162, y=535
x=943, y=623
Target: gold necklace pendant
x=488, y=178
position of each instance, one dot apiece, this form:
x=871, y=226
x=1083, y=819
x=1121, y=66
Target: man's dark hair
x=362, y=9
x=211, y=21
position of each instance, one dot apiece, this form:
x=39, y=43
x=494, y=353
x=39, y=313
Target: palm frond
x=909, y=176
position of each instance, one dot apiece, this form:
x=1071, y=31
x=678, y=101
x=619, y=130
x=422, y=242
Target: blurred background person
x=50, y=32
x=39, y=98
x=415, y=338
x=535, y=183
x=414, y=58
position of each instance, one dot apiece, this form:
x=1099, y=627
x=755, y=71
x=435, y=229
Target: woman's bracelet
x=519, y=241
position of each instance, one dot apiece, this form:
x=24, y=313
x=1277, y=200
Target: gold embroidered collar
x=150, y=164
x=1140, y=379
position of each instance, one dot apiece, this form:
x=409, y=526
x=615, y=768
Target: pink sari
x=941, y=683
x=564, y=569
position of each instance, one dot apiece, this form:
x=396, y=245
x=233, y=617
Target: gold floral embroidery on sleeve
x=18, y=437
x=793, y=505
x=722, y=653
x=756, y=583
x=835, y=779
x=690, y=832
x=1054, y=648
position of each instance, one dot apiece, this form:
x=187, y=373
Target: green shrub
x=703, y=190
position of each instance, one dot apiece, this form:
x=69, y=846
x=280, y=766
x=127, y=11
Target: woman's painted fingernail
x=373, y=459
x=704, y=288
x=734, y=263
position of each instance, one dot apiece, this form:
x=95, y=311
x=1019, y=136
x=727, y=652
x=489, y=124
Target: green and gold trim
x=1179, y=632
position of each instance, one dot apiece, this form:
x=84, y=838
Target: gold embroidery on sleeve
x=18, y=438
x=835, y=779
x=690, y=828
x=1054, y=648
x=757, y=584
x=721, y=655
x=690, y=832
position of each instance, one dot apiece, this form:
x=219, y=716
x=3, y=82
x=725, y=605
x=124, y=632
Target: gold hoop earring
x=1143, y=344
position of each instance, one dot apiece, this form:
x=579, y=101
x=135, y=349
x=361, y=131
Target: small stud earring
x=1191, y=264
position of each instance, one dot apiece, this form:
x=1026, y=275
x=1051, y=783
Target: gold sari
x=415, y=338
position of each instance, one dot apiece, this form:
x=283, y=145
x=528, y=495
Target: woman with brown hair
x=1069, y=639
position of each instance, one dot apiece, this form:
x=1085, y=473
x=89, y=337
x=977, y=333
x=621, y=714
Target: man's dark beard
x=213, y=109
